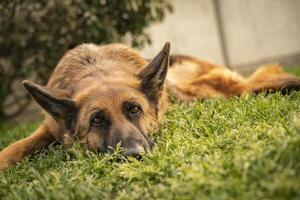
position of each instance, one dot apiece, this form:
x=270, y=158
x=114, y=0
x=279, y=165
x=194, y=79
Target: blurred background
x=239, y=34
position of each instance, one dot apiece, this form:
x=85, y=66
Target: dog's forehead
x=109, y=97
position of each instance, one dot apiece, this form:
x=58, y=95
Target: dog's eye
x=98, y=119
x=134, y=110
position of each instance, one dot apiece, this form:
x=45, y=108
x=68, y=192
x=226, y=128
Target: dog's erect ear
x=58, y=107
x=154, y=74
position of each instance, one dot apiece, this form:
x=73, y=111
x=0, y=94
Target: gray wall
x=232, y=32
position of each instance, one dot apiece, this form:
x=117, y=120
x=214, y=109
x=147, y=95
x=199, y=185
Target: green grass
x=294, y=70
x=242, y=148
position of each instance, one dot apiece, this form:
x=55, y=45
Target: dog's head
x=101, y=116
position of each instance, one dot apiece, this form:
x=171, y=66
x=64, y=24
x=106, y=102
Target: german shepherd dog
x=106, y=95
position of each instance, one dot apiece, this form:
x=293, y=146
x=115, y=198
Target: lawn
x=241, y=148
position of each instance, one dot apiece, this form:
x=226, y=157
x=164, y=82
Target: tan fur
x=107, y=79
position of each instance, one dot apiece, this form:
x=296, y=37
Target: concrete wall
x=254, y=32
x=191, y=29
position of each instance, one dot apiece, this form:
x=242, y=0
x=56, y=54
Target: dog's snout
x=133, y=142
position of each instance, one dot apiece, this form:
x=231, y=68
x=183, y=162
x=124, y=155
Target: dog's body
x=106, y=95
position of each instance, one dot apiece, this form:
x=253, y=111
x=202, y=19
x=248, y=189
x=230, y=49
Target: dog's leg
x=18, y=150
x=271, y=78
x=216, y=83
x=192, y=92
